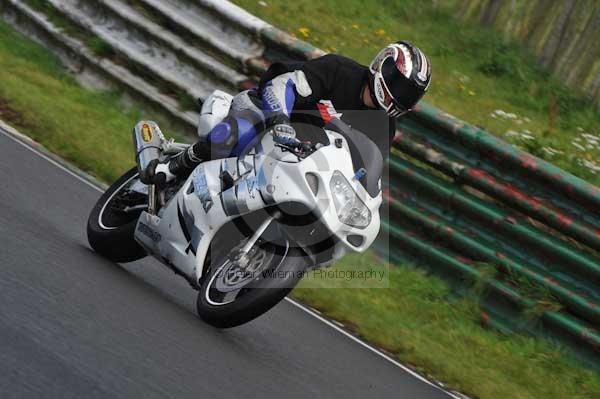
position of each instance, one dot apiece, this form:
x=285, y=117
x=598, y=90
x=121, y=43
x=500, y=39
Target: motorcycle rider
x=314, y=92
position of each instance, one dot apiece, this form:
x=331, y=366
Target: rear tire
x=257, y=299
x=111, y=234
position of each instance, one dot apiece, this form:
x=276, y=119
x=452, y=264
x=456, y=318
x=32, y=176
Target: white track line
x=23, y=140
x=367, y=346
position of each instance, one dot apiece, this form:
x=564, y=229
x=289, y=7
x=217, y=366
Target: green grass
x=412, y=318
x=415, y=320
x=89, y=128
x=475, y=73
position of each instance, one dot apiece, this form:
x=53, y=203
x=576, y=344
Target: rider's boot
x=218, y=143
x=180, y=165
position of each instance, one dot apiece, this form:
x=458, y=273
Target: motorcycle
x=244, y=230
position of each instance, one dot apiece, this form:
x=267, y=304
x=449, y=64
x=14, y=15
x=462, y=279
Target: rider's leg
x=217, y=144
x=229, y=137
x=184, y=163
x=214, y=109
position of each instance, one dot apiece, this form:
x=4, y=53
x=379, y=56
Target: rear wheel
x=236, y=292
x=112, y=222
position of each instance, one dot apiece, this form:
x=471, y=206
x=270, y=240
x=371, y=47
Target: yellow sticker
x=146, y=133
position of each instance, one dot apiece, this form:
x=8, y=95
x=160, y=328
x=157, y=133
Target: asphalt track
x=74, y=325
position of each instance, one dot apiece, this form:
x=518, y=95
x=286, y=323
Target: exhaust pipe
x=148, y=142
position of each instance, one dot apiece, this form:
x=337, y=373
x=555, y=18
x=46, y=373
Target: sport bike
x=244, y=230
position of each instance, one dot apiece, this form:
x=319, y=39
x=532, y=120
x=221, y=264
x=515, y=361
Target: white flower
x=552, y=151
x=579, y=146
x=524, y=135
x=548, y=151
x=592, y=166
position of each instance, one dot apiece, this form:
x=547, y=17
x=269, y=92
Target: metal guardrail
x=478, y=204
x=463, y=203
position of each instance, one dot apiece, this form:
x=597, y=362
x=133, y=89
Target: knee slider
x=225, y=132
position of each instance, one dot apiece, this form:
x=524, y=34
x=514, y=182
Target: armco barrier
x=480, y=211
x=462, y=203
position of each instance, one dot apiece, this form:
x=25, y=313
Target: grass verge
x=90, y=128
x=412, y=318
x=418, y=319
x=476, y=75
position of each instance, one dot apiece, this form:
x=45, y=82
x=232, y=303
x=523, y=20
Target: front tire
x=284, y=268
x=110, y=232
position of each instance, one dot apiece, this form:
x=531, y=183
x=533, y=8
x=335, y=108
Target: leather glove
x=285, y=134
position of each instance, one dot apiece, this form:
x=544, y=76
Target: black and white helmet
x=400, y=76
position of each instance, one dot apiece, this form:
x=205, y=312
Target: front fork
x=152, y=199
x=242, y=254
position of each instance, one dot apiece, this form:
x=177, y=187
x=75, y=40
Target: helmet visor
x=404, y=92
x=385, y=99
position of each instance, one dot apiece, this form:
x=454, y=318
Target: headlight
x=350, y=209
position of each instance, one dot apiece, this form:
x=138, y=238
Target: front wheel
x=112, y=222
x=232, y=294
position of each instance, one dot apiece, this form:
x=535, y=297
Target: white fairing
x=271, y=176
x=214, y=109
